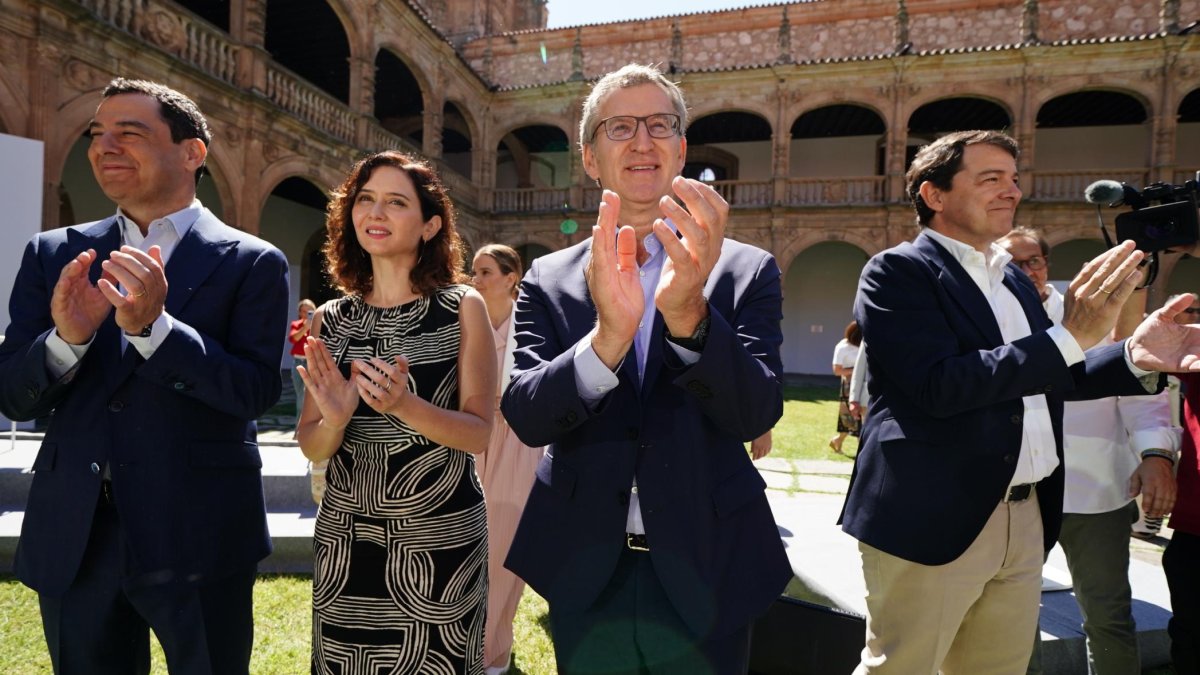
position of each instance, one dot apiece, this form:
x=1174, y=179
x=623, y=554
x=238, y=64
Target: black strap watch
x=144, y=333
x=695, y=341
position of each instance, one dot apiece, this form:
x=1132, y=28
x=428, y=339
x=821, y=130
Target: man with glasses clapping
x=646, y=356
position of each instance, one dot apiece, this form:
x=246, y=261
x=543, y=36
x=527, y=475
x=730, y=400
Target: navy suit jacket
x=712, y=537
x=177, y=430
x=944, y=424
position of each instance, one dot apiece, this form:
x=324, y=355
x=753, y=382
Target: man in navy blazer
x=957, y=492
x=146, y=509
x=645, y=358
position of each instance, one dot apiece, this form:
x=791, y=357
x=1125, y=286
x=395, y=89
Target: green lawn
x=282, y=608
x=809, y=421
x=282, y=625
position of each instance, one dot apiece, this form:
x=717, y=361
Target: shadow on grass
x=809, y=394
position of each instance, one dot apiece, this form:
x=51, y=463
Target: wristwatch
x=144, y=333
x=695, y=341
x=1169, y=455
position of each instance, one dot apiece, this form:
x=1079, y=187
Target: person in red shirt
x=1181, y=560
x=297, y=332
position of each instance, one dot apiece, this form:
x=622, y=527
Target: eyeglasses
x=624, y=127
x=1037, y=262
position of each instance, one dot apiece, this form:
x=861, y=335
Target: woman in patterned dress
x=401, y=387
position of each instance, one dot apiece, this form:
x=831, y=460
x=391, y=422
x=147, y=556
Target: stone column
x=1025, y=126
x=1030, y=22
x=896, y=140
x=431, y=132
x=1168, y=17
x=248, y=25
x=1164, y=123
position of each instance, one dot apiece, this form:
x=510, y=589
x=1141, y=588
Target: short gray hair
x=629, y=76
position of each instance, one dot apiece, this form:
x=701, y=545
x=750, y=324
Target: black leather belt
x=636, y=542
x=1019, y=493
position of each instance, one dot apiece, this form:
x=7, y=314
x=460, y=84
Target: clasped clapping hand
x=78, y=307
x=1096, y=295
x=382, y=385
x=690, y=257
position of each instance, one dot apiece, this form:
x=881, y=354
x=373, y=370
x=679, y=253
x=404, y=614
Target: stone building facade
x=804, y=114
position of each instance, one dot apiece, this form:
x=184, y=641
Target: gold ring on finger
x=1105, y=291
x=389, y=385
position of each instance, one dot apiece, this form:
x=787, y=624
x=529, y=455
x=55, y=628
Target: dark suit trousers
x=633, y=628
x=101, y=624
x=1181, y=564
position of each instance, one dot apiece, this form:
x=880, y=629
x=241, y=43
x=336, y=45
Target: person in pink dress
x=507, y=468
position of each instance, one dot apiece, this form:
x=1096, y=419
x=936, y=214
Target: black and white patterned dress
x=400, y=576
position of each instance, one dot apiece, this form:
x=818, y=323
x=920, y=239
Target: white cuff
x=159, y=330
x=1066, y=343
x=62, y=356
x=593, y=379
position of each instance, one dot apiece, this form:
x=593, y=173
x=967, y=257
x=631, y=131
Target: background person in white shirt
x=1114, y=449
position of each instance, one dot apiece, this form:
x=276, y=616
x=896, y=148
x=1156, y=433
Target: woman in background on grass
x=507, y=467
x=844, y=355
x=401, y=388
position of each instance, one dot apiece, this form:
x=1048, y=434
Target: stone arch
x=837, y=139
x=291, y=214
x=14, y=108
x=501, y=132
x=767, y=112
x=1187, y=134
x=475, y=133
x=72, y=120
x=225, y=164
x=916, y=104
x=831, y=99
x=283, y=28
x=737, y=126
x=514, y=148
x=518, y=238
x=818, y=298
x=1069, y=139
x=295, y=166
x=413, y=66
x=1145, y=97
x=869, y=242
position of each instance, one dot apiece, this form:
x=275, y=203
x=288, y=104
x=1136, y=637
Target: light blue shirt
x=593, y=379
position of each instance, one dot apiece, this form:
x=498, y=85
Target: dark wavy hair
x=440, y=260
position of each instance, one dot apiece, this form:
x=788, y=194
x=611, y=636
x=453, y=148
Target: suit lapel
x=1030, y=303
x=962, y=288
x=194, y=259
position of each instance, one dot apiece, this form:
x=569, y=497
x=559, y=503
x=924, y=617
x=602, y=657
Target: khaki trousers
x=973, y=616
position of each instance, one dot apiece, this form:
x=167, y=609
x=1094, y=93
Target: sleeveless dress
x=400, y=545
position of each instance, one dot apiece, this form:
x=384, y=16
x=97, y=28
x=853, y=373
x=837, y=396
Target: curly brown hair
x=440, y=261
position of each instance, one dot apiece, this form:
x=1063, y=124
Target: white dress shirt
x=1038, y=457
x=1103, y=440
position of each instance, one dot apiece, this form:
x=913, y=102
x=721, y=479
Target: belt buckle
x=636, y=542
x=1019, y=493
